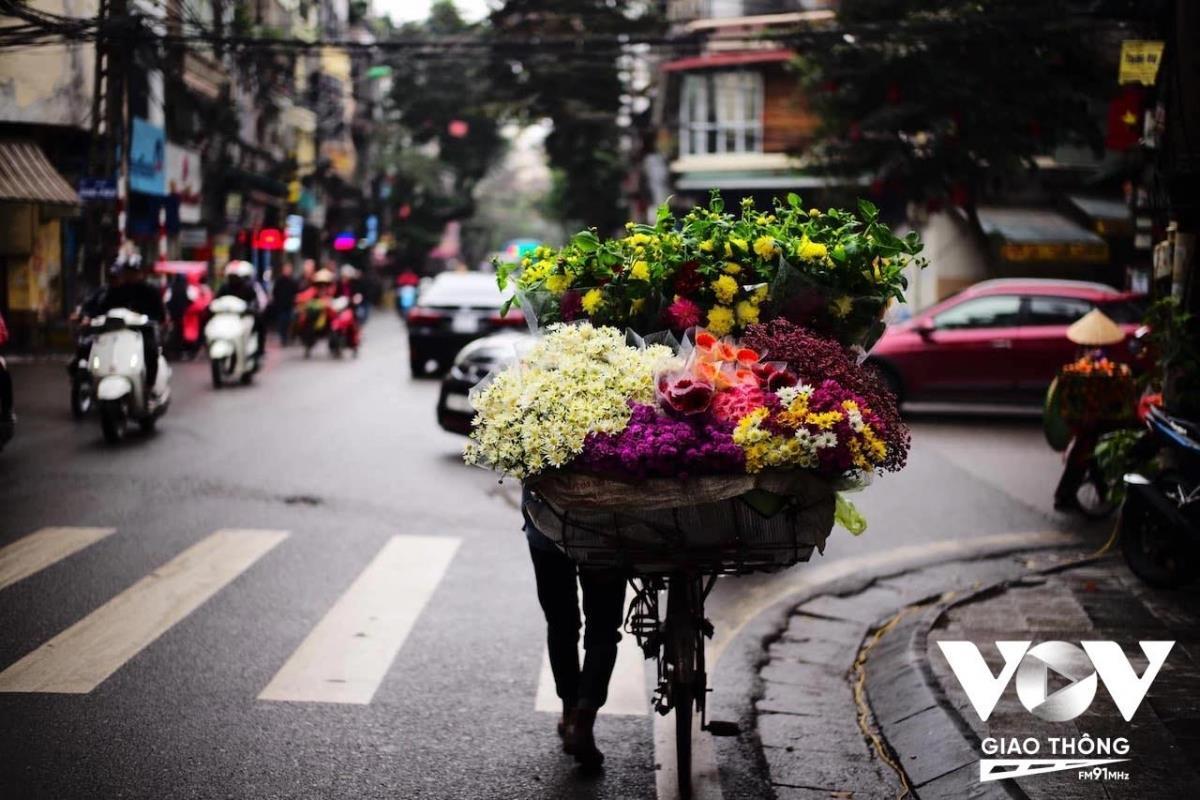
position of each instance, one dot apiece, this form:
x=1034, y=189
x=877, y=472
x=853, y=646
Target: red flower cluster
x=815, y=360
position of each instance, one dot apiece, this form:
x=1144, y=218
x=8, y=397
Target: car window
x=463, y=289
x=996, y=311
x=1044, y=310
x=1125, y=312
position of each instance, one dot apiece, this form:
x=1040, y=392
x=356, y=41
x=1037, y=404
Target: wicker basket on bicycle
x=728, y=524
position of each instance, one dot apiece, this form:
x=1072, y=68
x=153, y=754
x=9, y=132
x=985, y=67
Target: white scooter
x=119, y=375
x=231, y=340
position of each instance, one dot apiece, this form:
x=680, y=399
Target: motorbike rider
x=132, y=290
x=239, y=282
x=8, y=419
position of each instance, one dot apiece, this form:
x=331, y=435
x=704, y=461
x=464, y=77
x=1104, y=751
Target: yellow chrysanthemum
x=639, y=239
x=810, y=251
x=765, y=247
x=637, y=305
x=592, y=300
x=720, y=320
x=740, y=244
x=732, y=268
x=640, y=271
x=557, y=284
x=707, y=246
x=747, y=313
x=842, y=306
x=824, y=419
x=725, y=287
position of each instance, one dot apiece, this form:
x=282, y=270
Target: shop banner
x=147, y=159
x=184, y=180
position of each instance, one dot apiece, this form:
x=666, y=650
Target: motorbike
x=119, y=375
x=1160, y=518
x=344, y=331
x=8, y=420
x=83, y=391
x=231, y=341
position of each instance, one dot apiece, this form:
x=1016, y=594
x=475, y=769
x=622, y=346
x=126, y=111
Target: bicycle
x=680, y=551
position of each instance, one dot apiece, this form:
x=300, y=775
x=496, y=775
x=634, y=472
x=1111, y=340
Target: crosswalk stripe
x=80, y=658
x=42, y=548
x=627, y=693
x=346, y=656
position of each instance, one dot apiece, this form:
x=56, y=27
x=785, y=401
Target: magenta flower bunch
x=656, y=445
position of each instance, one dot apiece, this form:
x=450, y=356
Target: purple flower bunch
x=655, y=445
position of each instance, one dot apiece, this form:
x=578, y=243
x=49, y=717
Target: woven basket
x=733, y=524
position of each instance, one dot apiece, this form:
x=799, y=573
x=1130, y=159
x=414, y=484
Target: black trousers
x=603, y=611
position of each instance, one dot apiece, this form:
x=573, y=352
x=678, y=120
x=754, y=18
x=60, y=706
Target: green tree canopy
x=929, y=96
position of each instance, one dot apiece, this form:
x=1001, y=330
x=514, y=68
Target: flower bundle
x=833, y=271
x=1094, y=390
x=577, y=380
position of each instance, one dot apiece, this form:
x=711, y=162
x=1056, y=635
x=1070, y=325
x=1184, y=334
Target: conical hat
x=1095, y=329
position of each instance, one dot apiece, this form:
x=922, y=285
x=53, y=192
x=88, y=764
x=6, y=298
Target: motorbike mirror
x=925, y=328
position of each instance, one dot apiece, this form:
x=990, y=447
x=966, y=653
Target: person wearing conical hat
x=1093, y=331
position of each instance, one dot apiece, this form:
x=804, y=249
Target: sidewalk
x=857, y=700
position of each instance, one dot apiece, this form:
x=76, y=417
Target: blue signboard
x=97, y=189
x=148, y=159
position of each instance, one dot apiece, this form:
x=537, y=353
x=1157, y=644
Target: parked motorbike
x=1160, y=518
x=232, y=343
x=119, y=373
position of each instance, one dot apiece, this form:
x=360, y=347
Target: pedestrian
x=583, y=690
x=283, y=299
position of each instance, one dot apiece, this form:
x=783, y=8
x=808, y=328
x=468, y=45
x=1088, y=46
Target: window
x=721, y=112
x=1125, y=312
x=998, y=311
x=1056, y=310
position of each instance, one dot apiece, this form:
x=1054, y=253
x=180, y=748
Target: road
x=296, y=590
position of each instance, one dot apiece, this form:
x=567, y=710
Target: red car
x=998, y=340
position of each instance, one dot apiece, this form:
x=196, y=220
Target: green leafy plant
x=832, y=270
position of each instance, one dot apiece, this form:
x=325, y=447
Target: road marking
x=627, y=694
x=80, y=658
x=40, y=549
x=346, y=656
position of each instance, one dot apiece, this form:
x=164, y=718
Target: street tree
x=930, y=98
x=574, y=77
x=444, y=130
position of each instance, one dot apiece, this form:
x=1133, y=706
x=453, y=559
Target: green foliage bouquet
x=833, y=271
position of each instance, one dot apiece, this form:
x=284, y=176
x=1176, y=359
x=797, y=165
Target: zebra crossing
x=343, y=659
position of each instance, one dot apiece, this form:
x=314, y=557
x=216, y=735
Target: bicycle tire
x=683, y=637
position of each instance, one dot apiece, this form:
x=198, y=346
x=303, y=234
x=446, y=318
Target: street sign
x=293, y=230
x=93, y=189
x=269, y=239
x=1139, y=62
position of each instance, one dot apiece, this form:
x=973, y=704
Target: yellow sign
x=1139, y=62
x=1085, y=252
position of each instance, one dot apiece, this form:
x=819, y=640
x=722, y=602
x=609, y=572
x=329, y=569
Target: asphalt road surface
x=297, y=590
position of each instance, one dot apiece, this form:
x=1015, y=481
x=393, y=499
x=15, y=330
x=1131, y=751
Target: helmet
x=239, y=269
x=126, y=262
x=348, y=272
x=322, y=276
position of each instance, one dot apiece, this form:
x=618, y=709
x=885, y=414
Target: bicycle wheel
x=686, y=670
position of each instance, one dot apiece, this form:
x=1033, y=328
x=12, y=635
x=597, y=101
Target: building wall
x=50, y=85
x=955, y=261
x=788, y=123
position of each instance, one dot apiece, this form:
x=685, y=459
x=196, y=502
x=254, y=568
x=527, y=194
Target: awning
x=731, y=59
x=1109, y=216
x=1031, y=234
x=26, y=176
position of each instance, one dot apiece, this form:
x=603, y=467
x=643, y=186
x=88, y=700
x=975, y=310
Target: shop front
x=34, y=200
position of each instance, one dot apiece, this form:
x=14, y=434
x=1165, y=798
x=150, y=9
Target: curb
x=736, y=674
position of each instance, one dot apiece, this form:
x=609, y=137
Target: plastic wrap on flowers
x=734, y=523
x=853, y=320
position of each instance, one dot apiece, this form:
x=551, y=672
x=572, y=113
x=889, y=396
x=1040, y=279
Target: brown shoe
x=564, y=721
x=579, y=740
